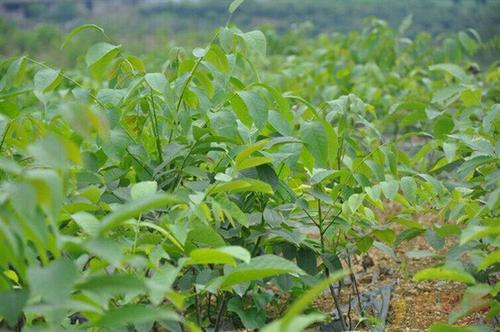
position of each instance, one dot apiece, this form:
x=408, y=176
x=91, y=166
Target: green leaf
x=364, y=243
x=143, y=189
x=114, y=284
x=12, y=302
x=234, y=5
x=447, y=95
x=386, y=235
x=87, y=222
x=259, y=268
x=409, y=188
x=232, y=211
x=298, y=324
x=471, y=97
x=355, y=201
x=136, y=314
x=442, y=126
x=252, y=318
x=492, y=258
x=444, y=273
x=54, y=282
x=250, y=108
x=255, y=41
x=79, y=28
x=390, y=188
x=242, y=185
x=253, y=162
x=307, y=260
x=47, y=80
x=203, y=235
x=314, y=136
x=477, y=232
x=452, y=69
x=135, y=208
x=99, y=55
x=157, y=81
x=222, y=255
x=244, y=154
x=450, y=150
x=440, y=327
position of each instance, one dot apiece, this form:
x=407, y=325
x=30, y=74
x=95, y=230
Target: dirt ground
x=414, y=306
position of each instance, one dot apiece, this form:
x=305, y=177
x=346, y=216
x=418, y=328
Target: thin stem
x=155, y=128
x=138, y=162
x=256, y=246
x=354, y=283
x=311, y=218
x=221, y=311
x=209, y=306
x=196, y=303
x=335, y=297
x=4, y=136
x=136, y=235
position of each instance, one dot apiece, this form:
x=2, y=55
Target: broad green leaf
x=218, y=58
x=477, y=232
x=157, y=81
x=253, y=162
x=315, y=138
x=255, y=41
x=136, y=314
x=386, y=235
x=245, y=153
x=252, y=318
x=12, y=302
x=105, y=248
x=99, y=55
x=492, y=258
x=451, y=69
x=450, y=150
x=47, y=80
x=447, y=95
x=389, y=188
x=203, y=235
x=440, y=327
x=250, y=108
x=355, y=201
x=87, y=222
x=444, y=273
x=298, y=324
x=222, y=255
x=234, y=5
x=231, y=210
x=417, y=254
x=54, y=282
x=259, y=268
x=135, y=208
x=409, y=188
x=242, y=185
x=442, y=126
x=471, y=97
x=79, y=28
x=114, y=284
x=143, y=189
